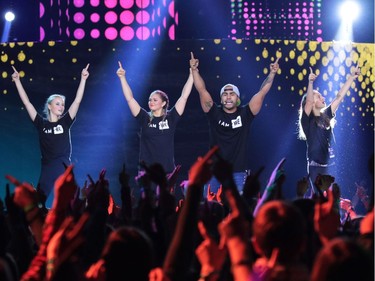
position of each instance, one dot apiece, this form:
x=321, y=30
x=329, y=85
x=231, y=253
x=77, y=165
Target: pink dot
x=126, y=17
x=176, y=18
x=41, y=10
x=319, y=39
x=171, y=9
x=94, y=3
x=143, y=33
x=111, y=33
x=142, y=17
x=126, y=4
x=127, y=33
x=110, y=3
x=79, y=33
x=79, y=17
x=95, y=33
x=110, y=17
x=319, y=31
x=95, y=17
x=79, y=3
x=306, y=22
x=42, y=34
x=171, y=32
x=142, y=3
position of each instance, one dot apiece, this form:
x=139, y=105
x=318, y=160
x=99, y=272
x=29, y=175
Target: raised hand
x=274, y=67
x=193, y=62
x=85, y=73
x=312, y=75
x=15, y=75
x=200, y=173
x=25, y=196
x=210, y=256
x=65, y=242
x=65, y=188
x=172, y=178
x=120, y=71
x=326, y=218
x=355, y=73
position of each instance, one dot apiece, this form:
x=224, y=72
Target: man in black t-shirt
x=229, y=122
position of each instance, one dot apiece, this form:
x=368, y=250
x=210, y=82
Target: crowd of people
x=255, y=235
x=227, y=226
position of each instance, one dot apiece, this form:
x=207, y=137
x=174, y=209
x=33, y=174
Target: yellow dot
x=300, y=61
x=325, y=46
x=312, y=61
x=313, y=45
x=292, y=54
x=51, y=43
x=21, y=56
x=51, y=61
x=300, y=45
x=239, y=58
x=317, y=55
x=4, y=58
x=265, y=53
x=300, y=76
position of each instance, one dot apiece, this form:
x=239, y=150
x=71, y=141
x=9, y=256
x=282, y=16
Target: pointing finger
x=192, y=55
x=119, y=64
x=13, y=180
x=311, y=71
x=210, y=153
x=15, y=70
x=277, y=60
x=87, y=66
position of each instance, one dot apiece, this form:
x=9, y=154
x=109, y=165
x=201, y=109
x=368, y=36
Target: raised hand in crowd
x=211, y=196
x=326, y=218
x=181, y=248
x=210, y=256
x=273, y=189
x=26, y=197
x=63, y=247
x=235, y=232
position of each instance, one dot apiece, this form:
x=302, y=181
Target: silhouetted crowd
x=253, y=235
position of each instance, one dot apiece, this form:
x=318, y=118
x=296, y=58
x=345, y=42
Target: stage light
x=349, y=11
x=9, y=16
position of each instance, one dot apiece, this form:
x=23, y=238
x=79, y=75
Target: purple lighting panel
x=108, y=19
x=265, y=19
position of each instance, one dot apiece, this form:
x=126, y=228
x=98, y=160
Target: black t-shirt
x=319, y=138
x=230, y=131
x=157, y=138
x=54, y=137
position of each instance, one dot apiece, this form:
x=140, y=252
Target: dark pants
x=49, y=173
